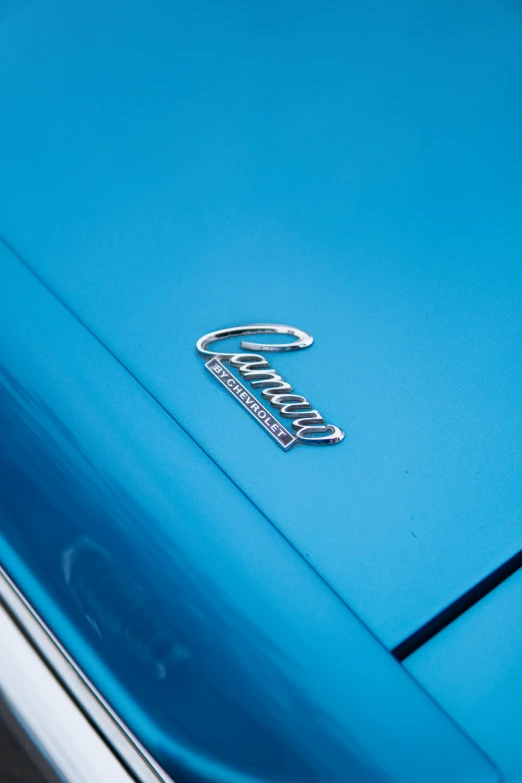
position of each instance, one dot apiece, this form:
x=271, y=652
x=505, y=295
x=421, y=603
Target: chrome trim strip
x=43, y=704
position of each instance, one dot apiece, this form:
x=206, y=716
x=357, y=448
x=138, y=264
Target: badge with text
x=307, y=425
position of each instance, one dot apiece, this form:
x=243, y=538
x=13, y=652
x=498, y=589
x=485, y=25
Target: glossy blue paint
x=211, y=637
x=474, y=670
x=353, y=169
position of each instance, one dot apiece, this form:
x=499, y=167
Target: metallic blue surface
x=353, y=169
x=211, y=637
x=474, y=669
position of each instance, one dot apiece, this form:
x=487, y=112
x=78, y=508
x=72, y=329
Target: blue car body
x=353, y=171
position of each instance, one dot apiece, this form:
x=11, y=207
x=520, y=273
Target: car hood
x=209, y=179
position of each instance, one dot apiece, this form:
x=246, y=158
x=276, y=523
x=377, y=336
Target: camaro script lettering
x=309, y=424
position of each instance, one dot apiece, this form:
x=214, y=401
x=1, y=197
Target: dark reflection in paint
x=115, y=603
x=200, y=670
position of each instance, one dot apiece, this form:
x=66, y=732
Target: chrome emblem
x=309, y=425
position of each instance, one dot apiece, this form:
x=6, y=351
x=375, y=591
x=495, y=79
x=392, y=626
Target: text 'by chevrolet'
x=309, y=424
